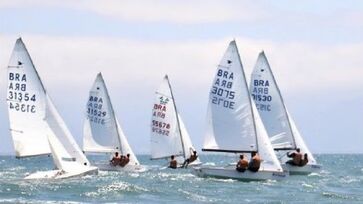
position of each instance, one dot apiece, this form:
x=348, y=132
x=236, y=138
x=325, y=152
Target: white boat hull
x=195, y=163
x=231, y=173
x=304, y=170
x=127, y=168
x=59, y=174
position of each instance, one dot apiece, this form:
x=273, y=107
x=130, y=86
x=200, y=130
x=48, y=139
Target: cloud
x=297, y=66
x=185, y=12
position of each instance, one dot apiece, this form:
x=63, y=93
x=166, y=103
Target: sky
x=314, y=49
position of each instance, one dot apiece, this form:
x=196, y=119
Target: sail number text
x=94, y=110
x=157, y=124
x=222, y=93
x=19, y=98
x=260, y=94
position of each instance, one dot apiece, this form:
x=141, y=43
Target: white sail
x=102, y=132
x=269, y=102
x=265, y=150
x=165, y=131
x=125, y=147
x=65, y=151
x=230, y=125
x=42, y=129
x=26, y=102
x=188, y=145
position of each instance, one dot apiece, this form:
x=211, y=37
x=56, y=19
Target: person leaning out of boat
x=193, y=157
x=305, y=160
x=296, y=157
x=255, y=162
x=125, y=160
x=115, y=159
x=173, y=163
x=242, y=164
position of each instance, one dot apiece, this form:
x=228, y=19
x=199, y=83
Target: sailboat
x=102, y=132
x=35, y=125
x=278, y=123
x=168, y=133
x=234, y=125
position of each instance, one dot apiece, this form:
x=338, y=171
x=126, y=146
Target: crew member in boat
x=242, y=164
x=193, y=157
x=296, y=158
x=173, y=163
x=255, y=162
x=125, y=160
x=115, y=159
x=305, y=160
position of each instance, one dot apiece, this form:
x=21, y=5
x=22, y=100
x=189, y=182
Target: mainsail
x=270, y=104
x=230, y=125
x=26, y=105
x=102, y=132
x=168, y=133
x=278, y=123
x=234, y=124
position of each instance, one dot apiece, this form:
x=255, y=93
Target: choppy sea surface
x=340, y=181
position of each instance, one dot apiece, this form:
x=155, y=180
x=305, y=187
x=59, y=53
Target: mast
x=250, y=101
x=177, y=116
x=114, y=116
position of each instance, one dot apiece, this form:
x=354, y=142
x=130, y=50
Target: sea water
x=340, y=181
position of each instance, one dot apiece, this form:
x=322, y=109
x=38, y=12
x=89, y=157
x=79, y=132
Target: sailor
x=125, y=161
x=192, y=158
x=242, y=164
x=255, y=162
x=115, y=159
x=173, y=163
x=305, y=160
x=296, y=158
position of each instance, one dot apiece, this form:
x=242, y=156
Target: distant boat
x=102, y=132
x=168, y=133
x=234, y=125
x=279, y=125
x=35, y=125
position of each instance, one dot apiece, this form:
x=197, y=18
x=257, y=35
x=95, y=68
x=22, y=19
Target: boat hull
x=231, y=173
x=127, y=168
x=59, y=174
x=304, y=170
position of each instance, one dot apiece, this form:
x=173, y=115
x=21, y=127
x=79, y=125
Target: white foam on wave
x=196, y=197
x=115, y=188
x=307, y=185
